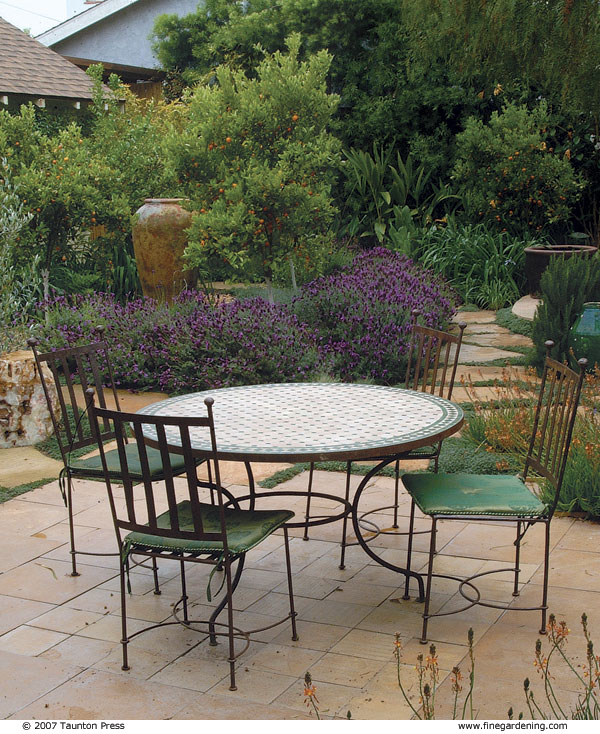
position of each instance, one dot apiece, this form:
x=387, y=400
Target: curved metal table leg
x=363, y=543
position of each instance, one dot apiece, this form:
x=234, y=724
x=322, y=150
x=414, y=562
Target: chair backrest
x=171, y=437
x=75, y=369
x=433, y=358
x=555, y=414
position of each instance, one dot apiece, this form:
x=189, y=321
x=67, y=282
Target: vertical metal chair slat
x=561, y=388
x=58, y=427
x=76, y=431
x=168, y=477
x=436, y=364
x=147, y=481
x=557, y=424
x=184, y=434
x=126, y=477
x=546, y=418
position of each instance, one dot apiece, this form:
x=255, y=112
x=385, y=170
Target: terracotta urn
x=159, y=240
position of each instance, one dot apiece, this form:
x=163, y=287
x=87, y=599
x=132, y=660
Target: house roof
x=28, y=67
x=83, y=20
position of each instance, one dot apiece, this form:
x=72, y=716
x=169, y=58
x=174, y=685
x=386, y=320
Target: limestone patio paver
x=347, y=620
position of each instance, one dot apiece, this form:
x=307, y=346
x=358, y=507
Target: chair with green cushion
x=505, y=499
x=75, y=369
x=174, y=522
x=431, y=368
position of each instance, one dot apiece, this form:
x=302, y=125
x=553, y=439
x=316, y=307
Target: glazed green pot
x=585, y=334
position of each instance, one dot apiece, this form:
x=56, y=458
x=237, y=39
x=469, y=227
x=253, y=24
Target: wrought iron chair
x=431, y=368
x=218, y=532
x=75, y=369
x=501, y=498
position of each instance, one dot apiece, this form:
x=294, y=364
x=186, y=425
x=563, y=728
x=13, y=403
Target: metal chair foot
x=75, y=573
x=406, y=597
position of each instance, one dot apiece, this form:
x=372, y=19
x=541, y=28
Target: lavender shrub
x=363, y=313
x=189, y=344
x=351, y=325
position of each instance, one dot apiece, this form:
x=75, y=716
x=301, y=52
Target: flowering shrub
x=510, y=175
x=363, y=313
x=189, y=344
x=352, y=325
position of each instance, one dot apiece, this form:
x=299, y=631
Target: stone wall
x=24, y=415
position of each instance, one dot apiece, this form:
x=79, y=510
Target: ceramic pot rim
x=549, y=250
x=163, y=201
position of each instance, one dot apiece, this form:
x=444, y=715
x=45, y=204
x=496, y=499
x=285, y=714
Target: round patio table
x=310, y=422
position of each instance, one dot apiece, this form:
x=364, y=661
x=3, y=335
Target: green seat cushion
x=92, y=466
x=472, y=494
x=245, y=529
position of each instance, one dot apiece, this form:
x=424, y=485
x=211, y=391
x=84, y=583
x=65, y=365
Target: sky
x=35, y=15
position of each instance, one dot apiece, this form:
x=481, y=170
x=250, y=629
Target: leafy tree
x=528, y=50
x=257, y=161
x=128, y=132
x=548, y=44
x=511, y=177
x=60, y=182
x=386, y=96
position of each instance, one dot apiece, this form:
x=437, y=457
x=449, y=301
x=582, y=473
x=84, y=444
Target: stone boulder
x=24, y=415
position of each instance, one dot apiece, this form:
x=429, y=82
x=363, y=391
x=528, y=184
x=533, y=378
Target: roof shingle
x=29, y=67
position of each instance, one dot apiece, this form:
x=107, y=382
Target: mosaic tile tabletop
x=312, y=421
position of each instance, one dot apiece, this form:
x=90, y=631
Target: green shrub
x=484, y=266
x=565, y=286
x=257, y=161
x=20, y=286
x=510, y=175
x=389, y=197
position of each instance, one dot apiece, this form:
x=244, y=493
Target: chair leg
x=517, y=559
x=423, y=639
x=289, y=578
x=308, y=498
x=396, y=493
x=73, y=552
x=546, y=571
x=124, y=638
x=157, y=590
x=231, y=659
x=184, y=595
x=221, y=605
x=342, y=565
x=411, y=526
